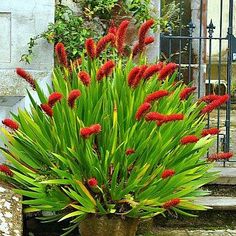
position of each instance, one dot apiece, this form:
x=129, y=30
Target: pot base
x=108, y=226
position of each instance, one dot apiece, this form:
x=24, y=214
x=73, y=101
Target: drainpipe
x=199, y=17
x=153, y=50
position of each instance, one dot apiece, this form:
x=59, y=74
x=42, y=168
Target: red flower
x=215, y=103
x=137, y=49
x=143, y=31
x=189, y=139
x=142, y=110
x=105, y=70
x=61, y=54
x=11, y=124
x=170, y=118
x=167, y=173
x=172, y=203
x=186, y=92
x=112, y=29
x=132, y=75
x=96, y=128
x=47, y=109
x=26, y=76
x=156, y=95
x=211, y=131
x=5, y=169
x=103, y=42
x=149, y=40
x=151, y=70
x=129, y=151
x=121, y=35
x=53, y=98
x=220, y=156
x=173, y=117
x=139, y=76
x=92, y=182
x=84, y=77
x=73, y=95
x=93, y=129
x=90, y=48
x=209, y=98
x=154, y=116
x=167, y=70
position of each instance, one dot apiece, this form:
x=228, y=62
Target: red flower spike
x=209, y=98
x=5, y=169
x=142, y=110
x=11, y=124
x=139, y=76
x=149, y=40
x=220, y=156
x=121, y=35
x=105, y=70
x=26, y=76
x=167, y=173
x=132, y=75
x=215, y=103
x=92, y=182
x=189, y=139
x=47, y=109
x=151, y=70
x=156, y=95
x=137, y=49
x=96, y=128
x=90, y=48
x=129, y=151
x=154, y=116
x=103, y=42
x=54, y=98
x=211, y=131
x=87, y=131
x=61, y=54
x=84, y=77
x=167, y=70
x=73, y=95
x=143, y=31
x=185, y=93
x=172, y=203
x=173, y=117
x=112, y=29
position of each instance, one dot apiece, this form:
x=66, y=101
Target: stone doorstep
x=218, y=202
x=186, y=232
x=227, y=175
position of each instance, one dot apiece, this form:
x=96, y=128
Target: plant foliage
x=91, y=150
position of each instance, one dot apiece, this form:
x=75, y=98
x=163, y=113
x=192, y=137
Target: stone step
x=187, y=232
x=227, y=175
x=218, y=202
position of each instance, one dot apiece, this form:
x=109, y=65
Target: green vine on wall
x=72, y=28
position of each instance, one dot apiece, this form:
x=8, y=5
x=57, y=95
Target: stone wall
x=19, y=21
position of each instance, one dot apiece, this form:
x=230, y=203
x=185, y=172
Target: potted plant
x=116, y=141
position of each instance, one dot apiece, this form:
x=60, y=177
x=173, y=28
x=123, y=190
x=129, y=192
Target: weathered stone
x=201, y=232
x=10, y=212
x=227, y=175
x=218, y=203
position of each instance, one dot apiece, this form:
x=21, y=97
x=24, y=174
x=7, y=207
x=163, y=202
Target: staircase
x=220, y=220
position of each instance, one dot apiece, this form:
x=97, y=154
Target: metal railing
x=193, y=43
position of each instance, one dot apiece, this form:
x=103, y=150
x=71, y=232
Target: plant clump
x=115, y=136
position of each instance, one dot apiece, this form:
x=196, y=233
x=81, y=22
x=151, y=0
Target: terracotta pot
x=108, y=225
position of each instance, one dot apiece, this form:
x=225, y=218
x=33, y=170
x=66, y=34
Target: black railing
x=192, y=43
